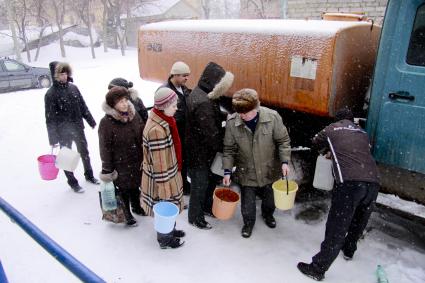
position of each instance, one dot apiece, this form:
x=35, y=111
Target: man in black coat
x=354, y=194
x=65, y=110
x=204, y=138
x=179, y=75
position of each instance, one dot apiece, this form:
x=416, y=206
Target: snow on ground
x=121, y=254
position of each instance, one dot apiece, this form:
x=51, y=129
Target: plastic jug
x=67, y=159
x=107, y=192
x=323, y=178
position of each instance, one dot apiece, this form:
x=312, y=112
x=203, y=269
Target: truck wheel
x=44, y=82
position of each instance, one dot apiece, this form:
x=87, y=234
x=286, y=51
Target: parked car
x=15, y=75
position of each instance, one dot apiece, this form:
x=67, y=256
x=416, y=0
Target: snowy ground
x=121, y=254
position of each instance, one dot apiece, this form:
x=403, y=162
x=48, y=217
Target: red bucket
x=47, y=168
x=224, y=203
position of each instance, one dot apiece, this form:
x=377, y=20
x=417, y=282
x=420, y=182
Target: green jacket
x=258, y=157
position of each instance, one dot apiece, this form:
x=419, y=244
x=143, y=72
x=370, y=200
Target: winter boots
x=311, y=271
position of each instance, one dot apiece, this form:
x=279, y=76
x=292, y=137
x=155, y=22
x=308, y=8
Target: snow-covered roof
x=153, y=8
x=254, y=26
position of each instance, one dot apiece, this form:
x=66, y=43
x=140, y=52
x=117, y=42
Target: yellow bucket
x=284, y=198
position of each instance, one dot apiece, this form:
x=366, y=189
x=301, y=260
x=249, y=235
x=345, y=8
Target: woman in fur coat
x=120, y=139
x=162, y=162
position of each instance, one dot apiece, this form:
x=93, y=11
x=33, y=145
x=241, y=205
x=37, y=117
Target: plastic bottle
x=380, y=274
x=107, y=191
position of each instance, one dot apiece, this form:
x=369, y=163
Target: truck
x=308, y=69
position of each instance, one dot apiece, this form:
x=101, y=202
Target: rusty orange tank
x=313, y=66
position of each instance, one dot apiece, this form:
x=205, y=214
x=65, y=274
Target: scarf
x=174, y=134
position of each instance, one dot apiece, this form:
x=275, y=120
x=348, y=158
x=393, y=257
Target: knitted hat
x=115, y=94
x=180, y=68
x=164, y=97
x=245, y=100
x=344, y=114
x=120, y=82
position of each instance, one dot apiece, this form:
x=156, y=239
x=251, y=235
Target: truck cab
x=396, y=114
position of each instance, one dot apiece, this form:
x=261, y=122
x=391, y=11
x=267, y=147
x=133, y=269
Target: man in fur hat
x=258, y=144
x=179, y=74
x=204, y=138
x=65, y=110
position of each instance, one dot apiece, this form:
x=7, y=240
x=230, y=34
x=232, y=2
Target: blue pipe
x=73, y=265
x=3, y=278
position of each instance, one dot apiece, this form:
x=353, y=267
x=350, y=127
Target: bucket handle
x=287, y=184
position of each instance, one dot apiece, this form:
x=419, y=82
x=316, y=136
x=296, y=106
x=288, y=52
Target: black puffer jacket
x=180, y=114
x=120, y=146
x=65, y=109
x=204, y=131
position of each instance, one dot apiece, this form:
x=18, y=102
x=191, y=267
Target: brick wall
x=313, y=9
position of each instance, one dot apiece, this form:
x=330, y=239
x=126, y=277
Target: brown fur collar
x=116, y=115
x=222, y=87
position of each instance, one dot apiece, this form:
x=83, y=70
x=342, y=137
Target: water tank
x=313, y=66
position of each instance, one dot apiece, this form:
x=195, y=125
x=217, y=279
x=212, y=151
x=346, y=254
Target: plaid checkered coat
x=161, y=179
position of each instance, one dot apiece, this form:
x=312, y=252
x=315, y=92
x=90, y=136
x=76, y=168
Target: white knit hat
x=180, y=68
x=164, y=97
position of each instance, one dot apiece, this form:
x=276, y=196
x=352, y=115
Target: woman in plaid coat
x=162, y=160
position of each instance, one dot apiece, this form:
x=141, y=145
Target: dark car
x=15, y=75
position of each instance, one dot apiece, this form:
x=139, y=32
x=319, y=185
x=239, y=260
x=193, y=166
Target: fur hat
x=344, y=114
x=164, y=97
x=245, y=100
x=180, y=68
x=62, y=67
x=115, y=94
x=120, y=82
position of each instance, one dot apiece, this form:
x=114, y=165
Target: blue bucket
x=165, y=214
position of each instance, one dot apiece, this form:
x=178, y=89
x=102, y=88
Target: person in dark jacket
x=354, y=194
x=65, y=110
x=134, y=96
x=120, y=145
x=204, y=138
x=177, y=80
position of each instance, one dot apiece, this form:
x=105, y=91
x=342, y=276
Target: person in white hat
x=162, y=162
x=179, y=74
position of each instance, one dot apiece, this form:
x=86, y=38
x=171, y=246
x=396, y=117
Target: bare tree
x=20, y=10
x=105, y=24
x=205, y=4
x=39, y=8
x=259, y=7
x=59, y=9
x=17, y=49
x=82, y=9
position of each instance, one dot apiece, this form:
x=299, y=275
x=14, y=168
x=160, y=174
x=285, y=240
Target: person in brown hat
x=120, y=146
x=258, y=144
x=179, y=74
x=162, y=162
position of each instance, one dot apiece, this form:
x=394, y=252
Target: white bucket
x=323, y=178
x=67, y=159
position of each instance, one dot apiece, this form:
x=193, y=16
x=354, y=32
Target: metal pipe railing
x=3, y=278
x=65, y=258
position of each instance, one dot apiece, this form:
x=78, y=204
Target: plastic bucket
x=67, y=159
x=284, y=198
x=165, y=214
x=323, y=178
x=224, y=203
x=46, y=167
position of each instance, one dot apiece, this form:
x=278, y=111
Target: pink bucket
x=47, y=168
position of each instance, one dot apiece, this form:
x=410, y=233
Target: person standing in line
x=65, y=110
x=162, y=162
x=355, y=191
x=137, y=102
x=179, y=74
x=258, y=144
x=120, y=145
x=204, y=138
